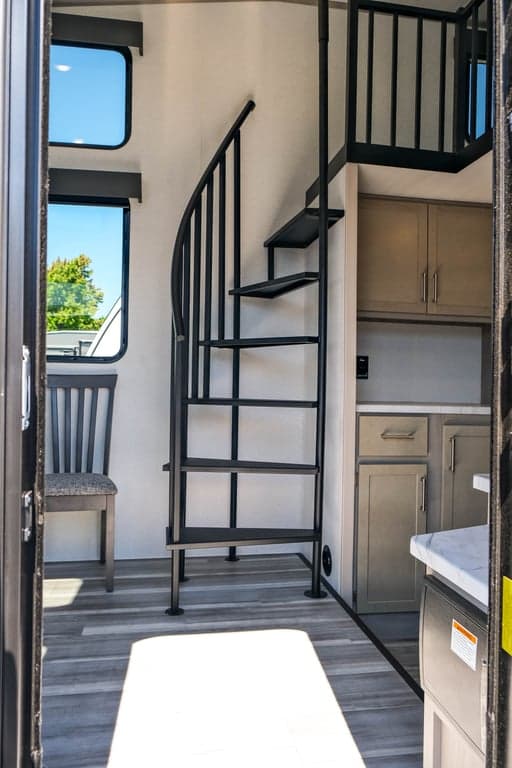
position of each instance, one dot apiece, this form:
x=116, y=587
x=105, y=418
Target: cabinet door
x=392, y=256
x=465, y=453
x=459, y=258
x=391, y=509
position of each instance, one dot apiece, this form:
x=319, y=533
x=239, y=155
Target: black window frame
x=107, y=202
x=126, y=53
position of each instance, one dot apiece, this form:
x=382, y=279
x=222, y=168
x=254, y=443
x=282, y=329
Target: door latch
x=25, y=389
x=27, y=515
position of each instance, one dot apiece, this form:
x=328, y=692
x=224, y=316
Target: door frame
x=499, y=724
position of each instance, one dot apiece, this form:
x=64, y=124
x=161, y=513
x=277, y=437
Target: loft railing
x=200, y=248
x=474, y=83
x=418, y=86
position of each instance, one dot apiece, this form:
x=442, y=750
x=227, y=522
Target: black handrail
x=177, y=313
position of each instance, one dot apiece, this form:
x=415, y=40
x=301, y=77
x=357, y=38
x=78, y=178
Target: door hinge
x=27, y=515
x=25, y=388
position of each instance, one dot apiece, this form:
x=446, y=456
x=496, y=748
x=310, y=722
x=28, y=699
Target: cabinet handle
x=423, y=481
x=452, y=454
x=435, y=281
x=398, y=435
x=424, y=287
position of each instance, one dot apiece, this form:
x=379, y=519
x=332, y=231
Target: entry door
x=21, y=378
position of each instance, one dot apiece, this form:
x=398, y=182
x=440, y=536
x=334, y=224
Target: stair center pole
x=323, y=205
x=175, y=470
x=235, y=418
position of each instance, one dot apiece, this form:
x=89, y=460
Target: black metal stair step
x=302, y=230
x=234, y=466
x=270, y=289
x=202, y=538
x=274, y=341
x=250, y=402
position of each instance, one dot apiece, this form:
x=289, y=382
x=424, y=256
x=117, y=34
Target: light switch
x=362, y=367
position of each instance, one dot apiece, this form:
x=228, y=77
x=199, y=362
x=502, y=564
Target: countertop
x=460, y=557
x=434, y=408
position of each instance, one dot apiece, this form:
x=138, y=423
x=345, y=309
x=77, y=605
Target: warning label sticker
x=464, y=644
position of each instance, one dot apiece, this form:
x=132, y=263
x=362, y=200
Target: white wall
x=201, y=62
x=422, y=364
x=341, y=381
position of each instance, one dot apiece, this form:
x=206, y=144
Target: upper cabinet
x=392, y=256
x=417, y=258
x=459, y=259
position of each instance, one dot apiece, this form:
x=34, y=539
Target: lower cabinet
x=391, y=509
x=465, y=453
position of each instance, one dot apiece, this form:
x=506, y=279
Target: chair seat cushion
x=78, y=484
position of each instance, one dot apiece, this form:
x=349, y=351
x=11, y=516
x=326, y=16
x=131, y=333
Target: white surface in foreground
x=252, y=699
x=460, y=556
x=482, y=483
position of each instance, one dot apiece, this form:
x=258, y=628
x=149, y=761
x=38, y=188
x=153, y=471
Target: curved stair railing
x=193, y=256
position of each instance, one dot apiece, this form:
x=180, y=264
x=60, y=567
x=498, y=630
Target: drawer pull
x=386, y=435
x=423, y=481
x=424, y=288
x=435, y=281
x=451, y=466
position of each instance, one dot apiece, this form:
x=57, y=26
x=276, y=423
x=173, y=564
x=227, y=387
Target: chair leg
x=103, y=532
x=109, y=543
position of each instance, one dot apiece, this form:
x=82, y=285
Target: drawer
x=393, y=436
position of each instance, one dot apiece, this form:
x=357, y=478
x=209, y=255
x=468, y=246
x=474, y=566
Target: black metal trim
x=95, y=185
x=112, y=203
x=404, y=157
x=404, y=674
x=336, y=164
x=128, y=97
x=429, y=14
x=72, y=28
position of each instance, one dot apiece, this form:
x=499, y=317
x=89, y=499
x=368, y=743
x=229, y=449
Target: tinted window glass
x=86, y=281
x=88, y=96
x=481, y=92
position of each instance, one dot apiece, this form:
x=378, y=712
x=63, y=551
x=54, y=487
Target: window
x=90, y=95
x=481, y=93
x=87, y=280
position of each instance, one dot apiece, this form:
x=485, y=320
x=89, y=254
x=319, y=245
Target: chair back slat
x=81, y=409
x=92, y=430
x=108, y=432
x=55, y=430
x=67, y=430
x=80, y=431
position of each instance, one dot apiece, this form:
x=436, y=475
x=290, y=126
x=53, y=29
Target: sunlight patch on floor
x=58, y=593
x=228, y=699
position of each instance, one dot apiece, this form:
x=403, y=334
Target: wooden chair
x=81, y=426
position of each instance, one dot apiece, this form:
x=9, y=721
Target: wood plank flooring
x=399, y=632
x=88, y=635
